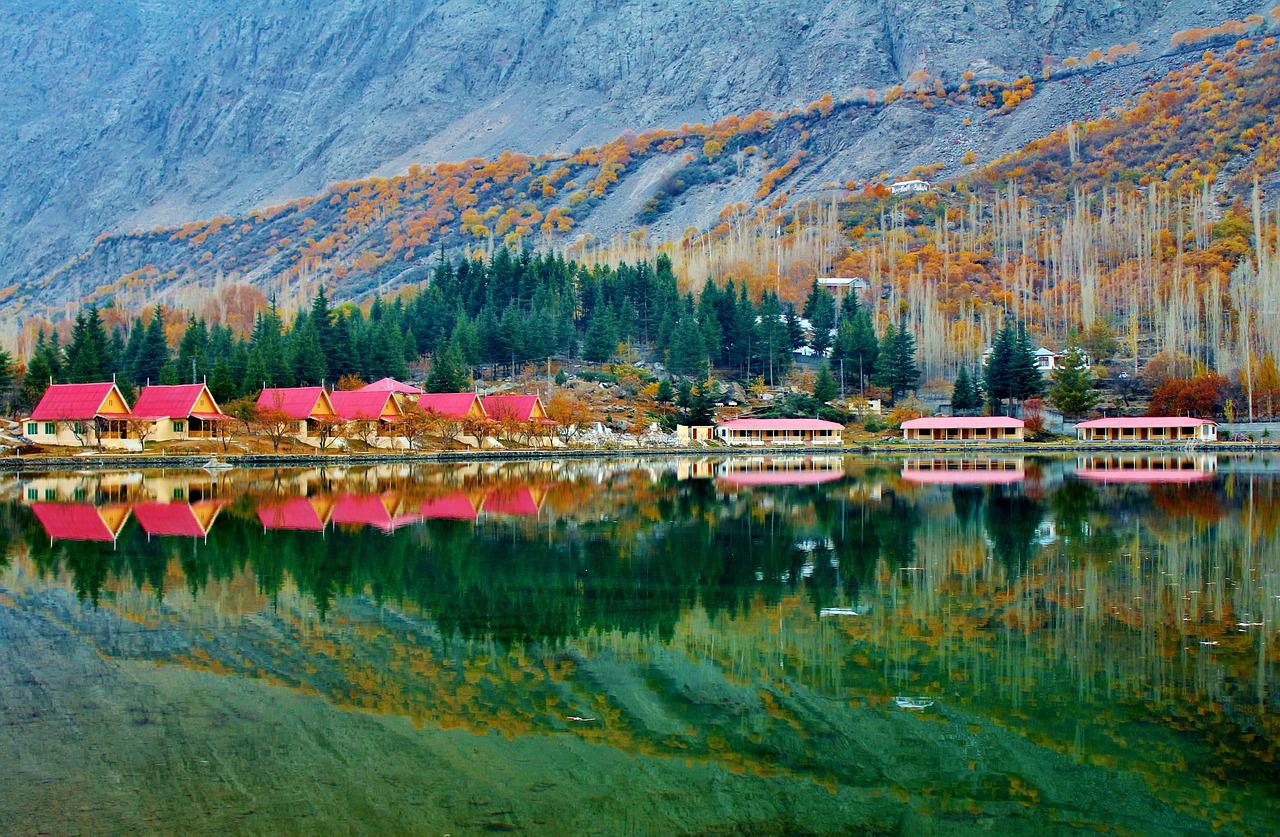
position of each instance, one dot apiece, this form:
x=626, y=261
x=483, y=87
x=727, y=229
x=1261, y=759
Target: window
x=33, y=428
x=50, y=428
x=178, y=426
x=177, y=493
x=33, y=494
x=80, y=427
x=51, y=493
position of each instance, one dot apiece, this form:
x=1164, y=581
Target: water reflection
x=1050, y=630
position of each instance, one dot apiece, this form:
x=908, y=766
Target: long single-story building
x=81, y=415
x=182, y=411
x=782, y=431
x=964, y=429
x=1147, y=429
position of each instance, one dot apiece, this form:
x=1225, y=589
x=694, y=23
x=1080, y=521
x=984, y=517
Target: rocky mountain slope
x=122, y=116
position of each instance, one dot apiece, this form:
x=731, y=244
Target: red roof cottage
x=964, y=429
x=306, y=407
x=81, y=415
x=454, y=405
x=370, y=415
x=184, y=411
x=391, y=385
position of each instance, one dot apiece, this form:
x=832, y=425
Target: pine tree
x=825, y=387
x=1071, y=389
x=600, y=340
x=821, y=320
x=666, y=393
x=89, y=353
x=448, y=372
x=193, y=349
x=962, y=394
x=1026, y=378
x=896, y=367
x=153, y=354
x=39, y=372
x=7, y=375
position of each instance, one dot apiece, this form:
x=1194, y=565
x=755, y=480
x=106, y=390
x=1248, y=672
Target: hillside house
x=909, y=187
x=81, y=415
x=181, y=412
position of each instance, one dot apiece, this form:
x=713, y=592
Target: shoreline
x=115, y=461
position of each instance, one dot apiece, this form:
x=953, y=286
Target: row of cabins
x=96, y=414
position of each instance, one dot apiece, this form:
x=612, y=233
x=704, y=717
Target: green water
x=784, y=645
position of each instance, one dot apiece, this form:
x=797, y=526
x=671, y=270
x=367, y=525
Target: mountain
x=120, y=116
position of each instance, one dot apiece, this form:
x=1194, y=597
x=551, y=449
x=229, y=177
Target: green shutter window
x=33, y=494
x=177, y=427
x=50, y=428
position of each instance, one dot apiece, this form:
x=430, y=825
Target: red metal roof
x=168, y=401
x=390, y=385
x=1145, y=421
x=369, y=510
x=73, y=522
x=518, y=407
x=961, y=422
x=294, y=513
x=72, y=402
x=780, y=424
x=177, y=519
x=295, y=402
x=365, y=405
x=516, y=501
x=450, y=404
x=455, y=506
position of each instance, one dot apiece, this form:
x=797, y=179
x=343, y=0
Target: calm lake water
x=811, y=645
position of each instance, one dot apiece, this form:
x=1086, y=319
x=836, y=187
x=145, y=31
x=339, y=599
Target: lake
x=742, y=645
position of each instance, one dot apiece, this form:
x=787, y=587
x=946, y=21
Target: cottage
x=184, y=411
x=788, y=431
x=514, y=408
x=908, y=187
x=183, y=520
x=964, y=429
x=1148, y=429
x=305, y=408
x=371, y=415
x=81, y=521
x=392, y=385
x=462, y=406
x=81, y=415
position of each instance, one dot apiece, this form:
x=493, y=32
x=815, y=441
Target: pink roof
x=73, y=522
x=518, y=407
x=390, y=385
x=927, y=476
x=1143, y=475
x=780, y=477
x=455, y=506
x=167, y=401
x=961, y=422
x=1145, y=421
x=177, y=519
x=72, y=402
x=359, y=404
x=295, y=402
x=294, y=513
x=451, y=404
x=780, y=424
x=513, y=501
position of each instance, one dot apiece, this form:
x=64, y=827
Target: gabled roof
x=295, y=402
x=1044, y=352
x=176, y=401
x=1145, y=421
x=75, y=402
x=390, y=385
x=295, y=513
x=780, y=424
x=518, y=407
x=516, y=501
x=961, y=422
x=455, y=506
x=373, y=510
x=79, y=521
x=367, y=405
x=177, y=519
x=450, y=404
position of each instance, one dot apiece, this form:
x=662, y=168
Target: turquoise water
x=750, y=645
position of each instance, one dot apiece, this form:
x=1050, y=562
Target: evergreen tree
x=309, y=365
x=1026, y=377
x=448, y=372
x=7, y=380
x=896, y=367
x=39, y=372
x=192, y=350
x=825, y=387
x=153, y=354
x=1011, y=373
x=696, y=405
x=962, y=394
x=88, y=354
x=822, y=319
x=1071, y=388
x=666, y=393
x=600, y=341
